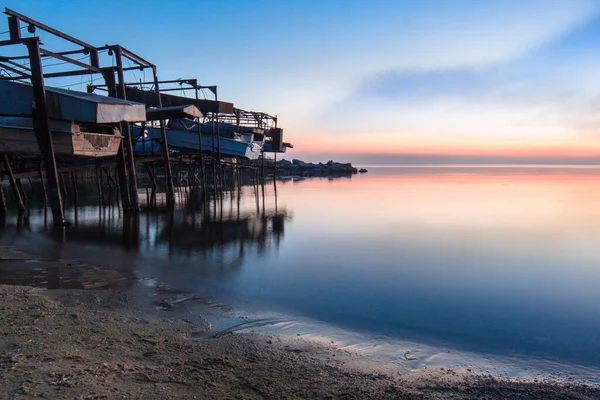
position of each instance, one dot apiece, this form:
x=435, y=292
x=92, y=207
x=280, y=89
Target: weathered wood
x=75, y=191
x=13, y=183
x=2, y=199
x=23, y=194
x=17, y=136
x=43, y=182
x=99, y=185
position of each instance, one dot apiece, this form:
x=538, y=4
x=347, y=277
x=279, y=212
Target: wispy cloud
x=340, y=56
x=505, y=83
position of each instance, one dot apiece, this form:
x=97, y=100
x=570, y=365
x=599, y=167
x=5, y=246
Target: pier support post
x=109, y=79
x=75, y=191
x=2, y=198
x=99, y=186
x=41, y=125
x=275, y=172
x=23, y=194
x=13, y=183
x=125, y=131
x=43, y=182
x=163, y=134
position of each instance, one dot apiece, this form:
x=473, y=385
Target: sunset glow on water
x=496, y=260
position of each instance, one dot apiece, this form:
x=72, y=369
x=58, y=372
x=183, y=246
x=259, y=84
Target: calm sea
x=491, y=266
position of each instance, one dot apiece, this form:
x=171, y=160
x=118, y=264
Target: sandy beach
x=106, y=344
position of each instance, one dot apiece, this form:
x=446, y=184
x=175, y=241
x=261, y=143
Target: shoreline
x=99, y=344
x=115, y=344
x=107, y=344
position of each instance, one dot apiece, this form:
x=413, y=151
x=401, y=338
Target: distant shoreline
x=574, y=166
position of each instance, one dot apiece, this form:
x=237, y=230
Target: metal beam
x=134, y=57
x=14, y=27
x=17, y=41
x=48, y=29
x=77, y=72
x=69, y=73
x=14, y=70
x=62, y=53
x=192, y=83
x=9, y=61
x=70, y=60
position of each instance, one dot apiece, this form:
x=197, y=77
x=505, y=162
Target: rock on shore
x=301, y=168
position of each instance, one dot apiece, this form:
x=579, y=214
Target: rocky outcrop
x=301, y=168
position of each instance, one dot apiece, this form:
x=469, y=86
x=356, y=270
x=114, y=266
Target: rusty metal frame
x=35, y=73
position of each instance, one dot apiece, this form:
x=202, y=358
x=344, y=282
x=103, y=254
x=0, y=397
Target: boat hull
x=69, y=105
x=187, y=141
x=18, y=137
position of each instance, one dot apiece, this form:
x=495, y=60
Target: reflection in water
x=217, y=232
x=501, y=261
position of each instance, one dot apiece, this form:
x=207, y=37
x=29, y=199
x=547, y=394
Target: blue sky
x=355, y=79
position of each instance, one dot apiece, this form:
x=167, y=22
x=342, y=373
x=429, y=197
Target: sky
x=379, y=81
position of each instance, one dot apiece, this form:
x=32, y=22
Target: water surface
x=500, y=261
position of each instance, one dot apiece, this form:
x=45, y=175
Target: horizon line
x=524, y=165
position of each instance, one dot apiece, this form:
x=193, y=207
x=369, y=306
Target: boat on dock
x=187, y=134
x=274, y=142
x=82, y=124
x=68, y=138
x=187, y=141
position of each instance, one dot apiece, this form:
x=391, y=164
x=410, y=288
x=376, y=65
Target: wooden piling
x=41, y=125
x=99, y=186
x=109, y=78
x=75, y=192
x=134, y=204
x=22, y=191
x=2, y=199
x=32, y=191
x=163, y=134
x=43, y=182
x=13, y=183
x=275, y=173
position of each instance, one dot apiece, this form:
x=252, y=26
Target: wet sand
x=109, y=344
x=79, y=344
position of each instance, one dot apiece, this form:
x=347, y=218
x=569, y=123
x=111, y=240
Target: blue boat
x=150, y=139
